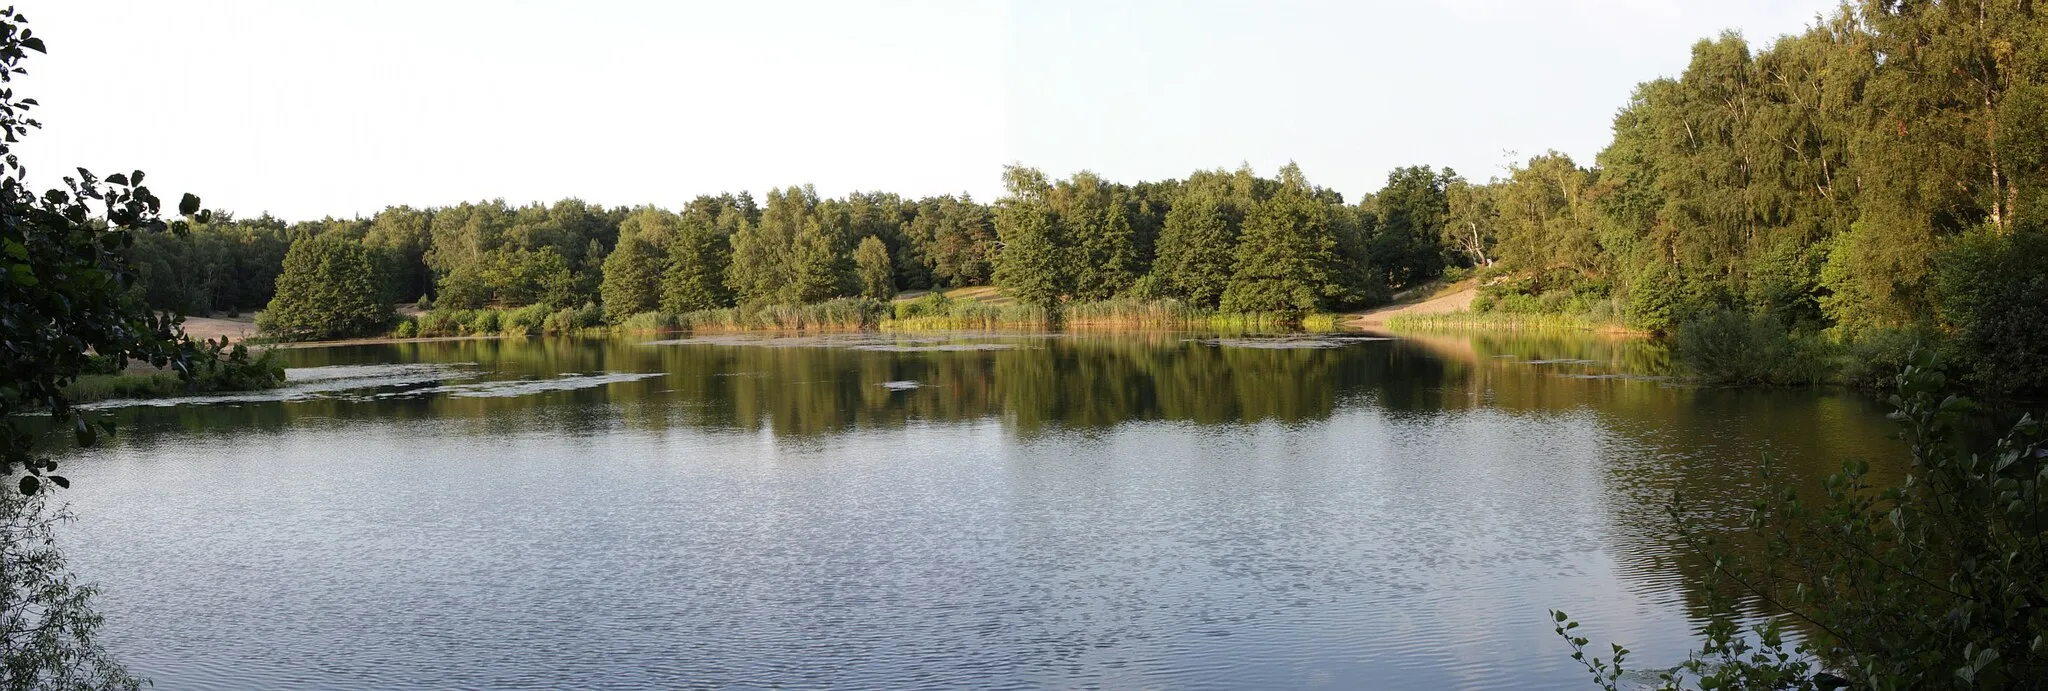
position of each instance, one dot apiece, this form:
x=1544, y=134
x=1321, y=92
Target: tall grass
x=1134, y=312
x=101, y=387
x=936, y=312
x=843, y=314
x=1169, y=313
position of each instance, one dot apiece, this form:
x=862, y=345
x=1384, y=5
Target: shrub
x=407, y=328
x=484, y=321
x=931, y=304
x=1991, y=295
x=1729, y=347
x=218, y=366
x=1876, y=357
x=52, y=631
x=438, y=323
x=572, y=319
x=524, y=321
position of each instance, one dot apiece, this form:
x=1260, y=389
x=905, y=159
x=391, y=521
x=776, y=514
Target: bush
x=572, y=319
x=407, y=328
x=1876, y=357
x=1729, y=347
x=524, y=321
x=1991, y=295
x=931, y=304
x=219, y=366
x=52, y=631
x=485, y=321
x=438, y=323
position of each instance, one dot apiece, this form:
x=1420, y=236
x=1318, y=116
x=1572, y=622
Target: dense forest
x=1877, y=177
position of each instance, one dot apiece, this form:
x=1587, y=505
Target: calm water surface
x=1155, y=510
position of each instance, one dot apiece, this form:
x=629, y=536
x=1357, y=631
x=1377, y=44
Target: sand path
x=1455, y=298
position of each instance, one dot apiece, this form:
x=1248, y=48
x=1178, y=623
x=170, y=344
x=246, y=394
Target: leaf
x=29, y=484
x=188, y=205
x=61, y=481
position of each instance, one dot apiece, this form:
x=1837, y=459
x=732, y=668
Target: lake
x=927, y=511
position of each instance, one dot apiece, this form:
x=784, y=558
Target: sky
x=309, y=109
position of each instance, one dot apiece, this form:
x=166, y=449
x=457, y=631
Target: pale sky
x=309, y=109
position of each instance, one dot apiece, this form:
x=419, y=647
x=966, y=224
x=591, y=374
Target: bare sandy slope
x=211, y=328
x=1456, y=298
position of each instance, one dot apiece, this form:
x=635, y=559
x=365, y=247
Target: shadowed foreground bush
x=1934, y=584
x=49, y=633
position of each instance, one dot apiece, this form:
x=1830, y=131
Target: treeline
x=1884, y=172
x=1218, y=241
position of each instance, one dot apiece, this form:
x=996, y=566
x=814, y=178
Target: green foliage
x=1991, y=296
x=221, y=265
x=215, y=366
x=1413, y=210
x=1729, y=347
x=331, y=287
x=876, y=272
x=699, y=259
x=524, y=321
x=794, y=254
x=1285, y=255
x=1034, y=263
x=952, y=240
x=221, y=366
x=1197, y=249
x=935, y=311
x=631, y=279
x=571, y=319
x=49, y=633
x=1934, y=584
